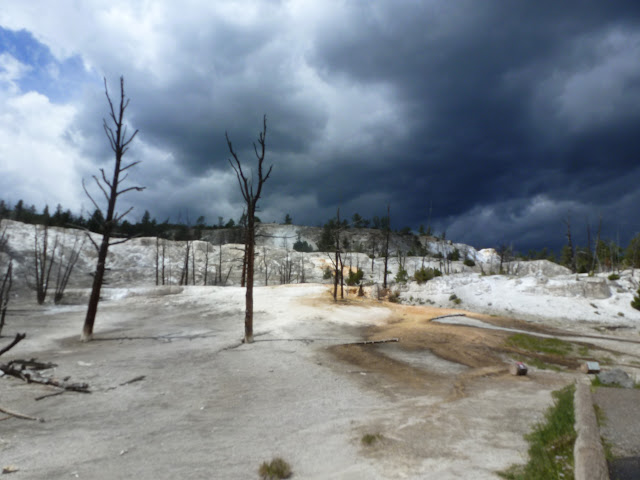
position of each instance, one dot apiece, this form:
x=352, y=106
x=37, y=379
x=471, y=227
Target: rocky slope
x=533, y=290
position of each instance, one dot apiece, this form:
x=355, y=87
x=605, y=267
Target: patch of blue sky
x=58, y=80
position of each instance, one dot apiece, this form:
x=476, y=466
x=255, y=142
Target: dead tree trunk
x=193, y=264
x=43, y=262
x=119, y=143
x=303, y=277
x=64, y=274
x=266, y=266
x=386, y=247
x=243, y=226
x=184, y=276
x=572, y=250
x=337, y=261
x=164, y=245
x=596, y=256
x=251, y=198
x=5, y=291
x=206, y=264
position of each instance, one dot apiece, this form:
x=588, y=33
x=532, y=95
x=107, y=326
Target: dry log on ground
x=31, y=376
x=372, y=342
x=19, y=415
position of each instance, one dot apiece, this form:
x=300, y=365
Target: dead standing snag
x=119, y=143
x=251, y=198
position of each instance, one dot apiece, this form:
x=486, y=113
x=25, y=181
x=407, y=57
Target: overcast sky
x=493, y=120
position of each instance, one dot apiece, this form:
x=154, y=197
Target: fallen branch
x=371, y=342
x=50, y=395
x=31, y=364
x=33, y=377
x=133, y=380
x=18, y=338
x=20, y=415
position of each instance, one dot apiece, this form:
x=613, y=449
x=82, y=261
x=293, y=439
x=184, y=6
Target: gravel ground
x=209, y=407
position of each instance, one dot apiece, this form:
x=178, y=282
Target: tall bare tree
x=43, y=262
x=251, y=198
x=111, y=189
x=5, y=291
x=66, y=268
x=570, y=248
x=387, y=235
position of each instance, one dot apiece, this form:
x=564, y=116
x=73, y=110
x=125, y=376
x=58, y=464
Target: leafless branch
x=88, y=234
x=104, y=177
x=106, y=195
x=124, y=240
x=117, y=217
x=89, y=195
x=18, y=338
x=130, y=165
x=137, y=189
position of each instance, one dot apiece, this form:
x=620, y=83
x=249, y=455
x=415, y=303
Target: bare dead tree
x=4, y=239
x=184, y=276
x=193, y=263
x=43, y=262
x=572, y=250
x=218, y=280
x=265, y=262
x=164, y=248
x=5, y=291
x=286, y=266
x=243, y=227
x=66, y=268
x=302, y=278
x=251, y=198
x=385, y=252
x=596, y=256
x=111, y=189
x=157, y=260
x=205, y=274
x=336, y=260
x=373, y=245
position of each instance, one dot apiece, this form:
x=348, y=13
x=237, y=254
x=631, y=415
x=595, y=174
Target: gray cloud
x=500, y=117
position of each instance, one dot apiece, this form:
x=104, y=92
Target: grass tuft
x=552, y=346
x=550, y=443
x=369, y=439
x=278, y=468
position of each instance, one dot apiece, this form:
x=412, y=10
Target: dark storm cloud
x=494, y=120
x=470, y=72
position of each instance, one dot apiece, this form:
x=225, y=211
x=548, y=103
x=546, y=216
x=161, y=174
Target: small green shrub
x=469, y=263
x=454, y=298
x=355, y=278
x=613, y=277
x=277, y=469
x=402, y=276
x=327, y=273
x=454, y=256
x=635, y=303
x=425, y=274
x=369, y=439
x=394, y=297
x=302, y=246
